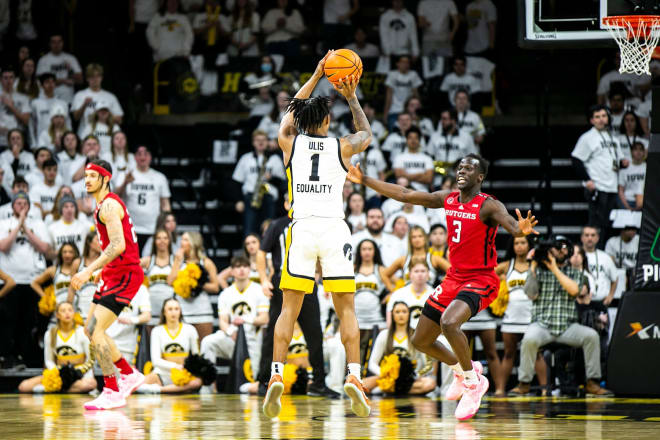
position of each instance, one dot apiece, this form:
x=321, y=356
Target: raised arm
x=398, y=192
x=356, y=142
x=494, y=211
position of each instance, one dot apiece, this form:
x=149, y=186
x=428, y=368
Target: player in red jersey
x=118, y=283
x=471, y=283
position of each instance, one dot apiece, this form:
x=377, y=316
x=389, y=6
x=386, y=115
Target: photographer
x=552, y=284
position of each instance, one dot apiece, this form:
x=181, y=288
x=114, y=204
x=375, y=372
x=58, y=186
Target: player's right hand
x=355, y=174
x=267, y=288
x=346, y=86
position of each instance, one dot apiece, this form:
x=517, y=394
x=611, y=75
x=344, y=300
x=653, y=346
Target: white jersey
x=168, y=349
x=61, y=283
x=415, y=301
x=159, y=290
x=367, y=299
x=44, y=195
x=85, y=295
x=62, y=65
x=74, y=349
x=22, y=261
x=98, y=96
x=316, y=175
x=75, y=232
x=40, y=117
x=126, y=335
x=143, y=199
x=245, y=304
x=518, y=314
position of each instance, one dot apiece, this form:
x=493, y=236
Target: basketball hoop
x=637, y=37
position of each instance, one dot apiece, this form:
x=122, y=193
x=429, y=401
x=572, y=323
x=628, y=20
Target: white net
x=637, y=38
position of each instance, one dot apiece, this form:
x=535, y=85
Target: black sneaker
x=319, y=390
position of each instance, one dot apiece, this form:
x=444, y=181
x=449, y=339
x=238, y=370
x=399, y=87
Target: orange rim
x=634, y=21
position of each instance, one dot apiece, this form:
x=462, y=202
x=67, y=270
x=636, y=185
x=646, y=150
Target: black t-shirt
x=274, y=241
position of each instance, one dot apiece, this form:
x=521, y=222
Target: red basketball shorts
x=118, y=287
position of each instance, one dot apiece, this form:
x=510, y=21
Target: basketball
x=341, y=64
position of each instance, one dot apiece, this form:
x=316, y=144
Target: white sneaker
x=128, y=383
x=471, y=400
x=109, y=399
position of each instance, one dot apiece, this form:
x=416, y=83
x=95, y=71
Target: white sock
x=470, y=377
x=277, y=368
x=457, y=369
x=245, y=388
x=38, y=389
x=354, y=369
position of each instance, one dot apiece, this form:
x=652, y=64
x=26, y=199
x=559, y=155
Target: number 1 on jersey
x=457, y=232
x=315, y=168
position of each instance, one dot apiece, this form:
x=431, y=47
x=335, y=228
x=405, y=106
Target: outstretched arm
x=356, y=142
x=398, y=192
x=496, y=211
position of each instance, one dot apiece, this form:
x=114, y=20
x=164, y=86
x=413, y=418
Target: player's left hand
x=320, y=67
x=346, y=86
x=355, y=174
x=527, y=224
x=79, y=279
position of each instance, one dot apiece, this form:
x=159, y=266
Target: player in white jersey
x=124, y=330
x=157, y=268
x=316, y=168
x=82, y=298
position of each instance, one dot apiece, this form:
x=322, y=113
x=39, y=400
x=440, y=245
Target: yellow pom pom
x=289, y=377
x=498, y=306
x=194, y=271
x=180, y=376
x=148, y=366
x=389, y=373
x=77, y=318
x=47, y=302
x=51, y=380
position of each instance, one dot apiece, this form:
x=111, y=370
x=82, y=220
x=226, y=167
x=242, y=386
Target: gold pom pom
x=289, y=377
x=186, y=280
x=77, y=318
x=47, y=302
x=148, y=367
x=498, y=306
x=51, y=380
x=389, y=373
x=180, y=376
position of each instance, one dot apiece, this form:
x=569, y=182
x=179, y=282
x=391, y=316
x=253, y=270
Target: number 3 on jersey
x=457, y=231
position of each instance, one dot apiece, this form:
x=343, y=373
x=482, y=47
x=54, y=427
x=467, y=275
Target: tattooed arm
x=357, y=142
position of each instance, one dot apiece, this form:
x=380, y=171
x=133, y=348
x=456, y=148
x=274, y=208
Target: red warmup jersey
x=471, y=241
x=131, y=254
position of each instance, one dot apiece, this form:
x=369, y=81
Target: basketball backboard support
x=551, y=24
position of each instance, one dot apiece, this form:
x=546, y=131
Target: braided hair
x=308, y=114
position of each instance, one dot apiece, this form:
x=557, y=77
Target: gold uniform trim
x=290, y=281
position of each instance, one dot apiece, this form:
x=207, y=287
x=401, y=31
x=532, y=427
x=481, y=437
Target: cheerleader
x=518, y=314
x=251, y=245
x=167, y=221
x=171, y=343
x=397, y=340
x=83, y=297
x=60, y=273
x=370, y=281
x=157, y=268
x=197, y=310
x=413, y=294
x=65, y=343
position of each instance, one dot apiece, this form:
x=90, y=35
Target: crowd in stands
x=50, y=127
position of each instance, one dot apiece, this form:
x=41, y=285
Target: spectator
x=212, y=32
x=624, y=247
x=414, y=294
x=400, y=228
x=36, y=175
x=400, y=84
x=51, y=137
x=554, y=319
x=631, y=132
x=597, y=157
x=68, y=228
x=55, y=214
x=337, y=21
x=157, y=267
x=7, y=211
x=102, y=125
x=64, y=66
x=481, y=20
x=59, y=274
x=264, y=71
x=166, y=220
x=41, y=108
x=259, y=176
x=120, y=158
x=355, y=212
x=27, y=83
x=389, y=246
x=147, y=193
x=70, y=160
x=361, y=46
x=251, y=245
x=84, y=296
x=468, y=121
x=43, y=194
x=617, y=109
x=414, y=165
x=244, y=25
x=601, y=266
x=14, y=107
x=413, y=217
x=395, y=142
x=87, y=101
x=21, y=161
x=413, y=106
x=398, y=32
x=23, y=243
x=169, y=32
x=373, y=165
x=434, y=16
x=90, y=150
x=241, y=304
x=634, y=84
x=459, y=79
x=632, y=178
x=282, y=26
x=449, y=143
x=270, y=123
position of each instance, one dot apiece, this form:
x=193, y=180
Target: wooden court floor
x=233, y=416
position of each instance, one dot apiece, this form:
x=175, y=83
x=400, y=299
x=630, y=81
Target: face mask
x=267, y=68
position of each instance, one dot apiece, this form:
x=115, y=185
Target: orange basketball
x=343, y=63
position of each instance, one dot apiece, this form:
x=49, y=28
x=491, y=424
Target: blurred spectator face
x=367, y=251
x=50, y=174
x=459, y=67
x=172, y=311
x=18, y=187
x=42, y=156
x=520, y=246
x=400, y=227
x=70, y=143
x=375, y=221
x=438, y=237
x=419, y=274
x=360, y=36
x=589, y=238
x=69, y=212
x=143, y=157
x=356, y=204
x=103, y=115
x=162, y=241
x=448, y=123
x=91, y=148
x=264, y=94
x=49, y=86
x=58, y=121
x=119, y=142
x=8, y=78
x=259, y=142
x=172, y=6
x=282, y=100
x=23, y=53
x=240, y=273
x=56, y=44
x=28, y=68
x=413, y=106
x=461, y=101
x=599, y=119
x=251, y=245
x=397, y=4
x=628, y=234
x=369, y=111
x=16, y=141
x=403, y=64
x=402, y=181
x=267, y=65
x=405, y=122
x=576, y=259
x=417, y=239
x=400, y=314
x=637, y=152
x=19, y=206
x=616, y=103
x=94, y=80
x=412, y=139
x=630, y=123
x=347, y=189
x=170, y=223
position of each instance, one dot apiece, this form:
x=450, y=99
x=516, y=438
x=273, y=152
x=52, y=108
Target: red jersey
x=131, y=254
x=471, y=241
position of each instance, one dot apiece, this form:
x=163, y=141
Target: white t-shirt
x=63, y=66
x=102, y=132
x=126, y=335
x=402, y=85
x=630, y=80
x=415, y=301
x=624, y=254
x=479, y=14
x=599, y=151
x=22, y=262
x=632, y=180
x=389, y=246
x=6, y=211
x=67, y=166
x=170, y=35
x=390, y=206
x=452, y=83
x=246, y=304
x=398, y=33
x=101, y=95
x=371, y=165
x=44, y=195
x=26, y=161
x=414, y=163
x=74, y=232
x=626, y=142
x=40, y=115
x=438, y=13
x=469, y=122
x=395, y=143
x=36, y=177
x=7, y=118
x=120, y=166
x=247, y=172
x=603, y=270
x=143, y=199
x=450, y=148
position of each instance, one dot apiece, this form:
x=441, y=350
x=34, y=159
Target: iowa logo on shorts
x=348, y=251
